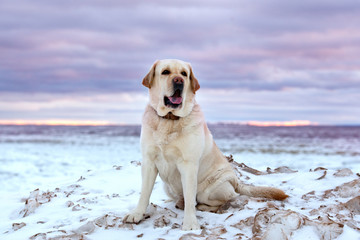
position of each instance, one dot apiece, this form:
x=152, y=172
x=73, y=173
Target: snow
x=92, y=207
x=80, y=187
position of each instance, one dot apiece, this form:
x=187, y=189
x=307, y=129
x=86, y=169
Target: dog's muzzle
x=175, y=100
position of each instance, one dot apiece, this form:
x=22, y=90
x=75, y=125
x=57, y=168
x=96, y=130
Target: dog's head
x=172, y=86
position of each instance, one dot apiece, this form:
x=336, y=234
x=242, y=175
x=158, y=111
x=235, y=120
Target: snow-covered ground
x=78, y=183
x=323, y=204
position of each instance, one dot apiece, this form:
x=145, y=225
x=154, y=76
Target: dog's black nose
x=178, y=80
x=178, y=83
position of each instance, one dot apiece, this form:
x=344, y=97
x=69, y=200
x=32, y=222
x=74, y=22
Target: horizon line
x=292, y=123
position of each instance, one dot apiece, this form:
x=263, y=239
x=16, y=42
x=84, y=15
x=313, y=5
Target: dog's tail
x=265, y=192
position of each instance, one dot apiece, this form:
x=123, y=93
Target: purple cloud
x=97, y=47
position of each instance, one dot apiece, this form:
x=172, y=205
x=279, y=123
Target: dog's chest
x=169, y=153
x=166, y=134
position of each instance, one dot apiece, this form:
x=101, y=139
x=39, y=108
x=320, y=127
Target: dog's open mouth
x=173, y=101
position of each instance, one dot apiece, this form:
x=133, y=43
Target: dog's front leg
x=188, y=173
x=148, y=175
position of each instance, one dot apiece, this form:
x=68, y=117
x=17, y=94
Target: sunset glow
x=292, y=123
x=55, y=122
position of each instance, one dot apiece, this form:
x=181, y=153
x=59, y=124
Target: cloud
x=96, y=48
x=125, y=107
x=315, y=105
x=241, y=105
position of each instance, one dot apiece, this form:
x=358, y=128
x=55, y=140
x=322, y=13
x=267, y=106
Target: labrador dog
x=177, y=144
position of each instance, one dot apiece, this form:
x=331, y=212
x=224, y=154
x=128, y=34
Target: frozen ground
x=78, y=183
x=323, y=204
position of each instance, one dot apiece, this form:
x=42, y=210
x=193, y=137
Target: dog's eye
x=165, y=72
x=184, y=73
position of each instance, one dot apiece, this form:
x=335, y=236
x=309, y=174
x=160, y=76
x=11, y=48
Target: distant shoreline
x=210, y=123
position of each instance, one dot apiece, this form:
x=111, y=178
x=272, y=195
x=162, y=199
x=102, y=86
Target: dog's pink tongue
x=175, y=100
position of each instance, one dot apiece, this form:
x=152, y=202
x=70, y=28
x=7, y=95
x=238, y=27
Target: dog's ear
x=194, y=82
x=150, y=76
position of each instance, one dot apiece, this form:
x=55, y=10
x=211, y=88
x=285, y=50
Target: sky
x=256, y=61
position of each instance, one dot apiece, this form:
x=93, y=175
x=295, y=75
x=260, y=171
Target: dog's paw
x=190, y=224
x=133, y=217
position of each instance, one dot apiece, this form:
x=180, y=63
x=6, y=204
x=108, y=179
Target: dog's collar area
x=171, y=116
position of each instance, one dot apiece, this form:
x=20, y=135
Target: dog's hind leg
x=180, y=204
x=214, y=197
